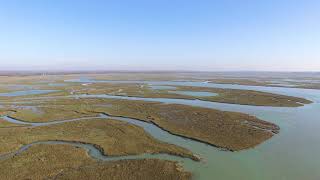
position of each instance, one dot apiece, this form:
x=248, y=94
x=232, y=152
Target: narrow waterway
x=289, y=155
x=155, y=131
x=92, y=151
x=26, y=92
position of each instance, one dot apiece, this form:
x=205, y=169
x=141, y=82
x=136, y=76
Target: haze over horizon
x=246, y=35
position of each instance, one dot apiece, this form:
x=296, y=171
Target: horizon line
x=149, y=71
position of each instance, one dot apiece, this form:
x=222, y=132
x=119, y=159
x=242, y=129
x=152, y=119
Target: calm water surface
x=26, y=92
x=290, y=155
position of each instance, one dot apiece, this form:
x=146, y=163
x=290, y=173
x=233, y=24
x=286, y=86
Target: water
x=16, y=121
x=92, y=151
x=195, y=93
x=56, y=84
x=17, y=87
x=275, y=159
x=25, y=93
x=198, y=103
x=289, y=155
x=283, y=84
x=278, y=90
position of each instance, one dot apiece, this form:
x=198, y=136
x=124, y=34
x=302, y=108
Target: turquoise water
x=289, y=155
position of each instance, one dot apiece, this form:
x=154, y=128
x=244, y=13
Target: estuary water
x=289, y=155
x=25, y=93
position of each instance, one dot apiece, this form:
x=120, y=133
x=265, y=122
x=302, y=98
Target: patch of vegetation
x=229, y=130
x=53, y=113
x=268, y=82
x=68, y=162
x=129, y=170
x=6, y=124
x=249, y=97
x=112, y=137
x=232, y=96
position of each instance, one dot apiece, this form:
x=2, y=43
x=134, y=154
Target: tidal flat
x=153, y=131
x=223, y=95
x=232, y=96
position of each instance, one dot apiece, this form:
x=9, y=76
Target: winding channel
x=292, y=154
x=94, y=152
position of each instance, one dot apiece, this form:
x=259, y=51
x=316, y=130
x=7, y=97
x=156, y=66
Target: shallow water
x=283, y=84
x=18, y=87
x=278, y=90
x=17, y=121
x=57, y=84
x=290, y=155
x=25, y=93
x=266, y=161
x=92, y=151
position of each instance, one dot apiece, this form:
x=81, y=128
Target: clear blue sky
x=160, y=35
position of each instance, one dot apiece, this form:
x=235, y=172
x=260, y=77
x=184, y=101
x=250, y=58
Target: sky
x=198, y=35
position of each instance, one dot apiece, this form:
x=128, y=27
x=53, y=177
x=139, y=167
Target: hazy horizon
x=160, y=35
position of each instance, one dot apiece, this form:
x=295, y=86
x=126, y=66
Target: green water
x=289, y=155
x=25, y=93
